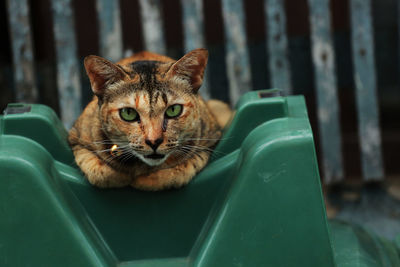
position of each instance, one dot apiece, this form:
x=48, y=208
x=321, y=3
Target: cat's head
x=149, y=108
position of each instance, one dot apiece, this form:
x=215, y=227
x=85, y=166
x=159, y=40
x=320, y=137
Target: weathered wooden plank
x=22, y=54
x=193, y=31
x=68, y=80
x=279, y=66
x=237, y=55
x=366, y=95
x=109, y=18
x=326, y=90
x=152, y=25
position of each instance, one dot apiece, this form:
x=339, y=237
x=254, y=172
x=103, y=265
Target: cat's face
x=151, y=125
x=150, y=109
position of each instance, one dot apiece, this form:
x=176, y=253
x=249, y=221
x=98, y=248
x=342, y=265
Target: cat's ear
x=191, y=67
x=102, y=73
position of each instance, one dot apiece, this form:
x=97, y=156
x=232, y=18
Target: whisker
x=214, y=152
x=126, y=156
x=109, y=149
x=205, y=139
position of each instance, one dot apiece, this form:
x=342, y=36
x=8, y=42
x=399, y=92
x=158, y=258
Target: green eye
x=174, y=111
x=128, y=114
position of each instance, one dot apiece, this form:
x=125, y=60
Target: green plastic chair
x=257, y=203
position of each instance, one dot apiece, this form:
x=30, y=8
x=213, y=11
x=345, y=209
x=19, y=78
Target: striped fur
x=148, y=83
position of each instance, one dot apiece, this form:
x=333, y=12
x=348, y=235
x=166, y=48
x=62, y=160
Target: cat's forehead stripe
x=145, y=66
x=154, y=97
x=164, y=98
x=146, y=81
x=145, y=75
x=137, y=102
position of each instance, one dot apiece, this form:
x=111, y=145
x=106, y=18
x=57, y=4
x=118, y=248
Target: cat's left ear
x=191, y=68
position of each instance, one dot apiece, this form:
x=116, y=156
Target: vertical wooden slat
x=193, y=29
x=326, y=90
x=237, y=55
x=365, y=82
x=279, y=67
x=109, y=18
x=68, y=80
x=150, y=11
x=21, y=43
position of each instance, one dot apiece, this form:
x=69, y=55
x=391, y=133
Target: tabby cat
x=147, y=126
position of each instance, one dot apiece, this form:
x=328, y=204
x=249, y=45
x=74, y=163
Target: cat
x=147, y=126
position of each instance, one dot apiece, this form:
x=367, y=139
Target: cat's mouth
x=155, y=156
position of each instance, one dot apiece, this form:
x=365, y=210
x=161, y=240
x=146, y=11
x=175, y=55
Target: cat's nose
x=154, y=144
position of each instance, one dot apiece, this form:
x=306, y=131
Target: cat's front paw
x=160, y=180
x=110, y=181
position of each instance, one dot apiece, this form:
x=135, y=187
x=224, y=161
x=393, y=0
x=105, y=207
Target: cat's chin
x=153, y=160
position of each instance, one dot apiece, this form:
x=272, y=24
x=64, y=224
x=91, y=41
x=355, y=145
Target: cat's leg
x=97, y=171
x=221, y=111
x=175, y=177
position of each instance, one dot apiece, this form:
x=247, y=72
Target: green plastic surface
x=355, y=246
x=258, y=203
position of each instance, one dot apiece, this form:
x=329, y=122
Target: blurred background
x=342, y=55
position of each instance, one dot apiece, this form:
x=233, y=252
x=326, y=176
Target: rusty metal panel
x=152, y=24
x=68, y=79
x=237, y=54
x=109, y=18
x=22, y=51
x=326, y=90
x=277, y=43
x=366, y=95
x=193, y=31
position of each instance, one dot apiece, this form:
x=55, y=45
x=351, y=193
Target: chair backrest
x=238, y=67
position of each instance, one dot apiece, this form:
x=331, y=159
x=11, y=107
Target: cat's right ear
x=102, y=73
